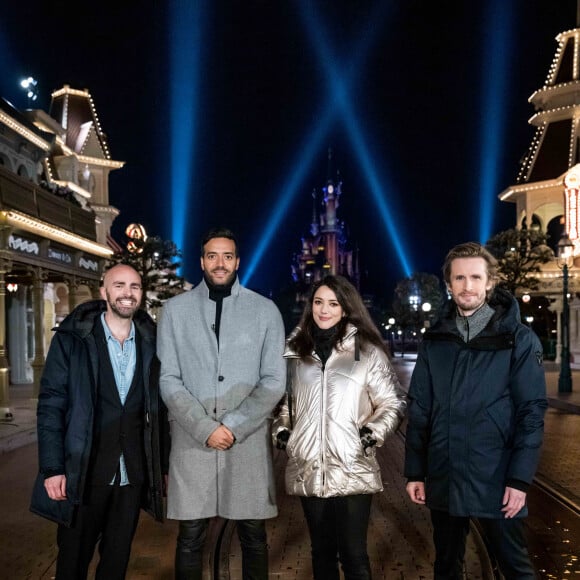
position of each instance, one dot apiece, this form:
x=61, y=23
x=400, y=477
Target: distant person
x=343, y=400
x=102, y=429
x=476, y=417
x=222, y=373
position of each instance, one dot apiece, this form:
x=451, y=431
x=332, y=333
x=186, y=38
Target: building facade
x=55, y=221
x=546, y=190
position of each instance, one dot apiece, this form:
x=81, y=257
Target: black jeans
x=191, y=539
x=506, y=541
x=110, y=512
x=338, y=531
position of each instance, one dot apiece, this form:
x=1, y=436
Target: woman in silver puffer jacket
x=344, y=400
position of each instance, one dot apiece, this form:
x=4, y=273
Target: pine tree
x=520, y=254
x=157, y=261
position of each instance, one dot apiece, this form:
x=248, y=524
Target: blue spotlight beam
x=186, y=19
x=377, y=184
x=308, y=151
x=495, y=83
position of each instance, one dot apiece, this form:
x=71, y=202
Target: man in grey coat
x=222, y=373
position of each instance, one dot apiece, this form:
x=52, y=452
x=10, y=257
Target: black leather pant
x=338, y=531
x=191, y=540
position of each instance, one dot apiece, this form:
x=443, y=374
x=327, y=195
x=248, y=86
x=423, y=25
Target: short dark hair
x=471, y=250
x=355, y=312
x=219, y=233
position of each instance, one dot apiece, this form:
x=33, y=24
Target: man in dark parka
x=102, y=429
x=476, y=409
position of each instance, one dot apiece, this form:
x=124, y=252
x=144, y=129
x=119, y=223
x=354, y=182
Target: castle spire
x=314, y=222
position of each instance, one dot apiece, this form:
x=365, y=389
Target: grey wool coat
x=237, y=385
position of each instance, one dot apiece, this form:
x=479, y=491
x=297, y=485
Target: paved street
x=399, y=536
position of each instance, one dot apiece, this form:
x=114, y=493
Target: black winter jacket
x=476, y=412
x=65, y=413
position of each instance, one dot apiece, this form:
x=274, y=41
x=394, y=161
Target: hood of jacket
x=82, y=319
x=499, y=330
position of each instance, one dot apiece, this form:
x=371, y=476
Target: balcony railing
x=26, y=197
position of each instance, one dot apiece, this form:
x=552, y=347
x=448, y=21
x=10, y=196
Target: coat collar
x=351, y=330
x=82, y=319
x=203, y=289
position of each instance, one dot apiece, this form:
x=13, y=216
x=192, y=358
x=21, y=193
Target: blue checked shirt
x=123, y=360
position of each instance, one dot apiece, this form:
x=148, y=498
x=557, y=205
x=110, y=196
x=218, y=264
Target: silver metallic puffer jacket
x=325, y=454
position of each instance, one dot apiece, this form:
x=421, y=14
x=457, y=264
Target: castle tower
x=326, y=250
x=85, y=162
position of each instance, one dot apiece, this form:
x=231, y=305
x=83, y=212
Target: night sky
x=416, y=97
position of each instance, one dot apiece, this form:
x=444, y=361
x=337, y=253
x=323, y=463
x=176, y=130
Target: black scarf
x=217, y=294
x=324, y=341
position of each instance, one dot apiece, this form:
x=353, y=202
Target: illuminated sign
x=87, y=264
x=59, y=256
x=23, y=245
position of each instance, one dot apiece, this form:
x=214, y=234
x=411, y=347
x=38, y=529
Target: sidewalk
x=569, y=402
x=22, y=429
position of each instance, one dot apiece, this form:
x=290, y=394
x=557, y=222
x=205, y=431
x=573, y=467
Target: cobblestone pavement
x=399, y=534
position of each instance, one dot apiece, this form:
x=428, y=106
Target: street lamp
x=565, y=261
x=391, y=330
x=30, y=85
x=426, y=308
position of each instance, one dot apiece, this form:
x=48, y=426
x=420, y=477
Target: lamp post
x=391, y=330
x=426, y=308
x=565, y=262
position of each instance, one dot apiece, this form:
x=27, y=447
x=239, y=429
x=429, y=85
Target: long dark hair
x=355, y=312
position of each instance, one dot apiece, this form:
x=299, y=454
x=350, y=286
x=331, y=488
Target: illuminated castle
x=326, y=250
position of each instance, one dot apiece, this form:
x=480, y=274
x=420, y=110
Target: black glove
x=366, y=437
x=282, y=439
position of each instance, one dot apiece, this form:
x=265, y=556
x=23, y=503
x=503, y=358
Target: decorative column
x=95, y=290
x=557, y=307
x=38, y=278
x=6, y=413
x=73, y=286
x=20, y=369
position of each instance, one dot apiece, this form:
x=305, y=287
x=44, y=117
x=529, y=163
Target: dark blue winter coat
x=476, y=412
x=66, y=406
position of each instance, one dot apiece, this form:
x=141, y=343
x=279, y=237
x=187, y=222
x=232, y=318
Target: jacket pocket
x=501, y=413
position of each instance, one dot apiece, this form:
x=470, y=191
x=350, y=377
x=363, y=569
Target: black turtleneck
x=217, y=293
x=324, y=341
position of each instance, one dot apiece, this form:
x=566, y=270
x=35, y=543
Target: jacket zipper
x=323, y=430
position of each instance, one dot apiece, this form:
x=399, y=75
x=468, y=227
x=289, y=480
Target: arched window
x=555, y=230
x=23, y=172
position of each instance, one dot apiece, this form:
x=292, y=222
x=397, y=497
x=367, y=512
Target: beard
x=221, y=282
x=470, y=304
x=119, y=310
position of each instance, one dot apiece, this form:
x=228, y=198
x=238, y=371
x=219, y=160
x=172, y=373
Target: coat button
x=220, y=378
x=214, y=411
